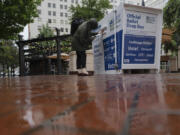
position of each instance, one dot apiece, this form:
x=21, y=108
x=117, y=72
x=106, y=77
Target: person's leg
x=78, y=61
x=83, y=61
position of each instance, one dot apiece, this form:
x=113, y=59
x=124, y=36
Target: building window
x=61, y=6
x=76, y=1
x=54, y=28
x=54, y=5
x=39, y=28
x=39, y=11
x=49, y=13
x=49, y=21
x=66, y=15
x=67, y=22
x=39, y=19
x=65, y=0
x=49, y=5
x=54, y=13
x=165, y=66
x=62, y=29
x=65, y=6
x=61, y=0
x=61, y=14
x=72, y=1
x=130, y=2
x=54, y=20
x=62, y=22
x=66, y=29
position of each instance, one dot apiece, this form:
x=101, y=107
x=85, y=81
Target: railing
x=34, y=42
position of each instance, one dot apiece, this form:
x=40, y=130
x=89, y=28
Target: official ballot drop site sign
x=132, y=40
x=142, y=38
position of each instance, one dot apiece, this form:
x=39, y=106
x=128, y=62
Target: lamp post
x=143, y=3
x=59, y=66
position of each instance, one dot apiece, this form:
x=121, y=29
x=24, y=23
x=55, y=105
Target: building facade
x=117, y=2
x=156, y=3
x=56, y=13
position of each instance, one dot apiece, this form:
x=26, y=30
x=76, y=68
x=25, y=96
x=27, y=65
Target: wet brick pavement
x=146, y=104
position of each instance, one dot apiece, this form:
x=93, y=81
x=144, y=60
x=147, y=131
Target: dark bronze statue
x=81, y=41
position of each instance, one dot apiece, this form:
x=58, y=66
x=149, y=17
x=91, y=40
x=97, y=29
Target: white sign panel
x=140, y=23
x=141, y=40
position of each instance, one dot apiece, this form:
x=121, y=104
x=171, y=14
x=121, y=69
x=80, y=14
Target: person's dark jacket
x=75, y=24
x=82, y=38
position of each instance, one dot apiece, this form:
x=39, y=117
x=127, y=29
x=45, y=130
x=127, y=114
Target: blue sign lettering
x=133, y=21
x=139, y=49
x=109, y=51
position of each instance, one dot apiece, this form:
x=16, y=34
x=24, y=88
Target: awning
x=64, y=56
x=166, y=35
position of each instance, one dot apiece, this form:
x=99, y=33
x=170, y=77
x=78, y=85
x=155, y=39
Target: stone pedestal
x=72, y=62
x=173, y=64
x=89, y=62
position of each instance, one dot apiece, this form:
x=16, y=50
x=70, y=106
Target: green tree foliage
x=170, y=46
x=171, y=20
x=172, y=14
x=90, y=9
x=8, y=55
x=15, y=14
x=66, y=46
x=45, y=31
x=45, y=47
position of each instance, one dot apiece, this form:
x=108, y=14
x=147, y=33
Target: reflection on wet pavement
x=96, y=105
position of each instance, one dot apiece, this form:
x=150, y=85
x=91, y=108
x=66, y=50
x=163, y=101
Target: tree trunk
x=3, y=70
x=8, y=70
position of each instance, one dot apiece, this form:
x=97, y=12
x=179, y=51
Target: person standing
x=81, y=41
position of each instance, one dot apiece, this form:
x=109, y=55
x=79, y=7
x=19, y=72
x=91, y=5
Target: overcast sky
x=25, y=33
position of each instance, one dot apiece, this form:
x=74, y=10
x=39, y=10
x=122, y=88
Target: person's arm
x=94, y=33
x=85, y=38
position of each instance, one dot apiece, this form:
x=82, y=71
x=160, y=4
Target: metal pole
x=58, y=52
x=115, y=37
x=21, y=56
